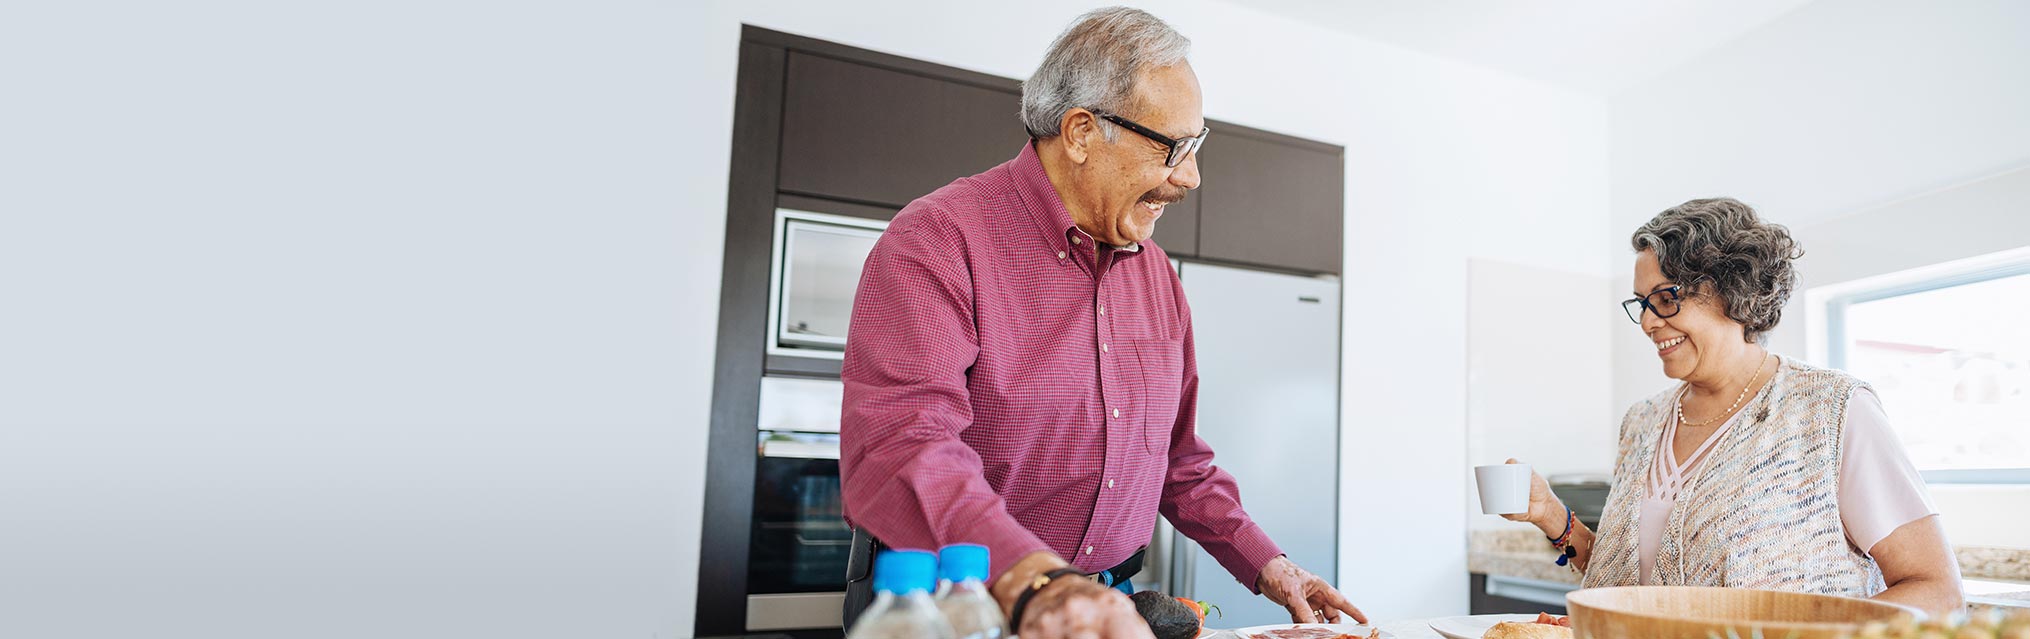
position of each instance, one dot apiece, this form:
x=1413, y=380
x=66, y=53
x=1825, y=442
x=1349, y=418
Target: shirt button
x=1110, y=483
x=1103, y=309
x=1104, y=349
x=1088, y=550
x=1117, y=413
x=1060, y=255
x=1075, y=240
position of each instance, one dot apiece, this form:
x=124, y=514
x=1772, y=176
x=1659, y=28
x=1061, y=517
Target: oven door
x=796, y=564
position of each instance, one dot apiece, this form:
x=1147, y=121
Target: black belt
x=1121, y=573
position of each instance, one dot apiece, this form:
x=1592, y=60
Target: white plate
x=1356, y=630
x=1475, y=626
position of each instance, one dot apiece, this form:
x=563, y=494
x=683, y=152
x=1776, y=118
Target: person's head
x=1116, y=65
x=1715, y=278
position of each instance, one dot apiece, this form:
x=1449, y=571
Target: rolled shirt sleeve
x=1880, y=490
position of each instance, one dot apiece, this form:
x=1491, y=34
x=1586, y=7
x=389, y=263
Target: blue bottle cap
x=904, y=571
x=959, y=562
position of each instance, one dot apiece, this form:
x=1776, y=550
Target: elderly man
x=1020, y=372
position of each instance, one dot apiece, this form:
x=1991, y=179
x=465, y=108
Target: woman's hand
x=1546, y=512
x=1548, y=515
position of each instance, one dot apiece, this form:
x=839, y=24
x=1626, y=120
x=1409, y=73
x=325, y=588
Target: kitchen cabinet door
x=880, y=136
x=1270, y=202
x=1177, y=231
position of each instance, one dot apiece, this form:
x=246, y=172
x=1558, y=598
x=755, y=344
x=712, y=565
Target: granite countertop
x=1994, y=562
x=1517, y=553
x=1522, y=552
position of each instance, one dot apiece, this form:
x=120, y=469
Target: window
x=1948, y=351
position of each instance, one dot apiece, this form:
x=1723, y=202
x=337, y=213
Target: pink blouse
x=1880, y=490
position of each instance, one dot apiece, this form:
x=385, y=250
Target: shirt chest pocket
x=1159, y=375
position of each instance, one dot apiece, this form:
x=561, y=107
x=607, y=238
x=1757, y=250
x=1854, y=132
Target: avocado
x=1168, y=618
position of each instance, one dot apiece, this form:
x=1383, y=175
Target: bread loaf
x=1518, y=630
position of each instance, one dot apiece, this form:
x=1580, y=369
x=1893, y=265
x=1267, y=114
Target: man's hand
x=1069, y=607
x=1308, y=598
x=1077, y=608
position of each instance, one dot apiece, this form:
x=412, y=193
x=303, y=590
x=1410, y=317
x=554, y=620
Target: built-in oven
x=815, y=271
x=796, y=564
x=799, y=544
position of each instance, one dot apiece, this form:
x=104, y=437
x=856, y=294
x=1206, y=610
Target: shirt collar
x=1039, y=196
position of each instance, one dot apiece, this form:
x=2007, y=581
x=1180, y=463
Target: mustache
x=1164, y=196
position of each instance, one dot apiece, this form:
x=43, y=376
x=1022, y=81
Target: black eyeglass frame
x=1635, y=306
x=1179, y=149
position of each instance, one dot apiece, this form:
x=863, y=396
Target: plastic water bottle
x=962, y=593
x=902, y=606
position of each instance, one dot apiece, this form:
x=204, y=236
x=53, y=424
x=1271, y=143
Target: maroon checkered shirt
x=1013, y=383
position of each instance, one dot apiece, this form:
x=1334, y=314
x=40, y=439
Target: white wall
x=356, y=319
x=1887, y=135
x=1839, y=106
x=397, y=318
x=1538, y=379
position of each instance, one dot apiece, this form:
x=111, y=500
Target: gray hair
x=1718, y=246
x=1094, y=64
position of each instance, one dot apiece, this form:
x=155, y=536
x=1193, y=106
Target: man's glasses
x=1179, y=149
x=1663, y=302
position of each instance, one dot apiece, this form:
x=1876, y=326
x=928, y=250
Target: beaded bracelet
x=1564, y=541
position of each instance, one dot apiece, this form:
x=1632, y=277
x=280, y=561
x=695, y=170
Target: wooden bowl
x=1681, y=612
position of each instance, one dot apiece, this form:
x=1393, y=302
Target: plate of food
x=1313, y=631
x=1538, y=626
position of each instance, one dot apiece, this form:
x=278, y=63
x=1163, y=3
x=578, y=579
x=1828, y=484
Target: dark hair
x=1719, y=247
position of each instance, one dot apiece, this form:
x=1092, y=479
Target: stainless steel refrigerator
x=1268, y=403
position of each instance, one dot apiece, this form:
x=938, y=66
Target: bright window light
x=1950, y=358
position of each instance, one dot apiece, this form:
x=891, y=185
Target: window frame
x=1827, y=335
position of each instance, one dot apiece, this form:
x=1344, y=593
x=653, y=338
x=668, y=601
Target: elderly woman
x=1755, y=470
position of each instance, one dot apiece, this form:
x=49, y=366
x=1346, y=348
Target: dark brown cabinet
x=877, y=135
x=1177, y=231
x=1270, y=200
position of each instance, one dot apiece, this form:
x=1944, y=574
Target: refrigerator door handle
x=1183, y=565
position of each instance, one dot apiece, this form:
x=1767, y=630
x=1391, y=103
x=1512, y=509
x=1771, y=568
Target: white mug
x=1504, y=488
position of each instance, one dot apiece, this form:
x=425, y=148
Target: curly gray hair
x=1094, y=65
x=1719, y=247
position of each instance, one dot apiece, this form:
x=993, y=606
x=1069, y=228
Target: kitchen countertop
x=1517, y=553
x=1992, y=572
x=1993, y=562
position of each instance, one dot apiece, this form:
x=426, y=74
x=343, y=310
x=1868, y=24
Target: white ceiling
x=1592, y=46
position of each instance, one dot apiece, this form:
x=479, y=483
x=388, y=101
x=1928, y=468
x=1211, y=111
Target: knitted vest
x=1761, y=511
